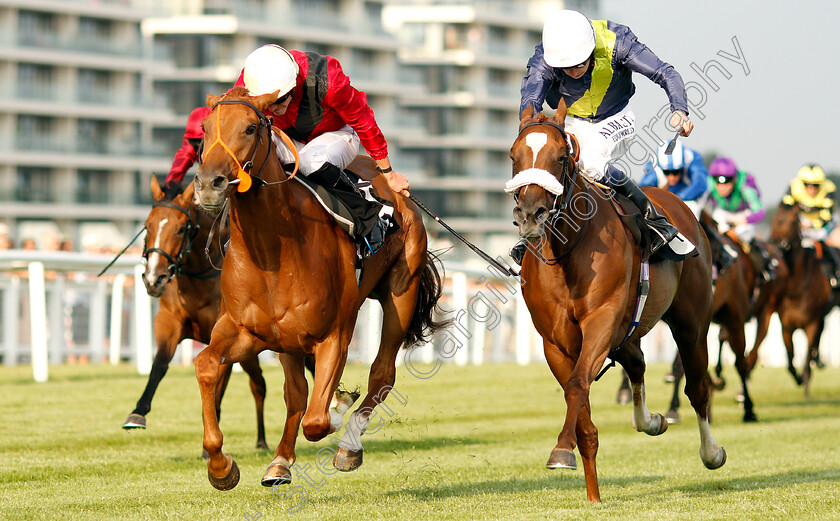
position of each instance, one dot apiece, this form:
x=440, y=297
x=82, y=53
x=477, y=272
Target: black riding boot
x=723, y=254
x=768, y=263
x=517, y=253
x=663, y=231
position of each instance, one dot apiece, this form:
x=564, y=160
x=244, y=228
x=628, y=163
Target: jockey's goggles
x=284, y=97
x=809, y=185
x=722, y=179
x=673, y=172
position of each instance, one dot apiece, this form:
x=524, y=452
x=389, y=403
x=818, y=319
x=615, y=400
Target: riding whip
x=670, y=149
x=120, y=253
x=496, y=264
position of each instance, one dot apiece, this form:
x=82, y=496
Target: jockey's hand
x=397, y=182
x=679, y=119
x=739, y=220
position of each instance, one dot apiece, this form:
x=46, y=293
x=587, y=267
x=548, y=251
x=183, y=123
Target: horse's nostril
x=160, y=280
x=219, y=181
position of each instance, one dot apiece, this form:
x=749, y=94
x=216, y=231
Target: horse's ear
x=262, y=102
x=212, y=100
x=189, y=191
x=526, y=117
x=157, y=192
x=559, y=117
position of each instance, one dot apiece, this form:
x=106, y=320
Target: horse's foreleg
x=634, y=363
x=330, y=357
x=586, y=434
x=762, y=325
x=814, y=331
x=787, y=337
x=738, y=343
x=167, y=335
x=295, y=390
x=258, y=390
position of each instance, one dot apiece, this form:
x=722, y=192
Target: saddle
x=633, y=220
x=352, y=202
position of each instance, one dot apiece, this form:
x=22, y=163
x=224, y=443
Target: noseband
x=244, y=176
x=176, y=264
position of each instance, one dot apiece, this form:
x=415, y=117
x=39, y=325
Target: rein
x=245, y=179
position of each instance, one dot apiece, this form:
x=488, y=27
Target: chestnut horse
x=289, y=285
x=582, y=288
x=187, y=282
x=808, y=296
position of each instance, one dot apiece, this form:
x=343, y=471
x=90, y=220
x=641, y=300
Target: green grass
x=470, y=443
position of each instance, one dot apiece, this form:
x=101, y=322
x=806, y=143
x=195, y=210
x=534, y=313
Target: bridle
x=570, y=173
x=245, y=178
x=176, y=264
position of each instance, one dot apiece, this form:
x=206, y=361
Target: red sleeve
x=184, y=159
x=351, y=105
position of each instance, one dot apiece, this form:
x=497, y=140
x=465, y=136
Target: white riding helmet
x=270, y=68
x=568, y=38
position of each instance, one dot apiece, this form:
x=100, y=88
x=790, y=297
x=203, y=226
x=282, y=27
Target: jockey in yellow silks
x=814, y=194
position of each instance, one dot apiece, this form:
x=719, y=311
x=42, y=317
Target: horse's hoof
x=718, y=462
x=663, y=425
x=719, y=385
x=262, y=445
x=134, y=421
x=277, y=473
x=739, y=398
x=624, y=397
x=228, y=482
x=348, y=460
x=750, y=417
x=672, y=416
x=669, y=378
x=561, y=459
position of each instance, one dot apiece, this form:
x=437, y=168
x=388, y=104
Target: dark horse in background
x=289, y=285
x=187, y=282
x=738, y=297
x=581, y=290
x=808, y=296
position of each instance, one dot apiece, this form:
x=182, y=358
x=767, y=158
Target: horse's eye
x=182, y=230
x=250, y=130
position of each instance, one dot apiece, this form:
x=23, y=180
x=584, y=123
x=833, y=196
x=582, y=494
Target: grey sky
x=771, y=121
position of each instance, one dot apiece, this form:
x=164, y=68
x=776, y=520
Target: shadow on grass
x=554, y=481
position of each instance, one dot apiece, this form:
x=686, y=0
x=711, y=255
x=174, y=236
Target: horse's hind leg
x=258, y=390
x=295, y=390
x=690, y=335
x=624, y=395
x=167, y=335
x=397, y=312
x=633, y=360
x=585, y=431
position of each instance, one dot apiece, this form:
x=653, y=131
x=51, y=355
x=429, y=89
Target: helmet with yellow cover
x=811, y=175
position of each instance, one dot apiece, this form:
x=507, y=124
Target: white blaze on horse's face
x=536, y=141
x=154, y=258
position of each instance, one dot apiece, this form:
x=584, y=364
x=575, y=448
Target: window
x=35, y=81
x=34, y=133
x=94, y=86
x=92, y=187
x=32, y=184
x=92, y=136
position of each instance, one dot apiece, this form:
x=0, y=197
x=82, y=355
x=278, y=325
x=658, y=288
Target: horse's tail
x=423, y=324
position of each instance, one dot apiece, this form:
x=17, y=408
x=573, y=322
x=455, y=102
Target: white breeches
x=602, y=142
x=338, y=148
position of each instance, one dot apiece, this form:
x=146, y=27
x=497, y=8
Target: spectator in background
x=5, y=240
x=29, y=244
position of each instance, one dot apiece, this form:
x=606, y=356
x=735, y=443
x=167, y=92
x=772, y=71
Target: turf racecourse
x=469, y=443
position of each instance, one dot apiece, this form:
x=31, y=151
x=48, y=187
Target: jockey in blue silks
x=589, y=65
x=682, y=173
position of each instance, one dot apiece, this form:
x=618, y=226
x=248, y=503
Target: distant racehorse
x=582, y=287
x=187, y=282
x=289, y=285
x=808, y=296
